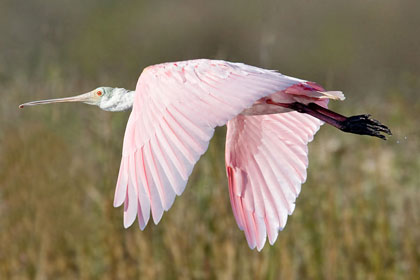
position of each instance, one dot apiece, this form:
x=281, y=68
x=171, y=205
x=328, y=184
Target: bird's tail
x=313, y=90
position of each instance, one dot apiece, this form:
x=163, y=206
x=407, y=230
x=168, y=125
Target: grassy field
x=358, y=216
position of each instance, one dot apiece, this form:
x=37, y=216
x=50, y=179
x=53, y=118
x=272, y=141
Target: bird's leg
x=360, y=124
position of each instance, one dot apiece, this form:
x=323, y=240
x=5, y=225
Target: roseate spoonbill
x=270, y=119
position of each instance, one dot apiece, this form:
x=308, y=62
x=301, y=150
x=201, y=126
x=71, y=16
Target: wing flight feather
x=176, y=108
x=266, y=161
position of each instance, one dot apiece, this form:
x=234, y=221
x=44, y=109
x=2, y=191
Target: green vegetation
x=357, y=216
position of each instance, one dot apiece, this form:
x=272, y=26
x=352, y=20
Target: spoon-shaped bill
x=86, y=97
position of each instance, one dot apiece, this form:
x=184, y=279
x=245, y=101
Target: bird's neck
x=120, y=100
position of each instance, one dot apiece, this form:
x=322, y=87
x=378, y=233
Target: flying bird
x=176, y=106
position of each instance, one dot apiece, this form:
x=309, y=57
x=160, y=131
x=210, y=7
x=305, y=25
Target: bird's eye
x=99, y=93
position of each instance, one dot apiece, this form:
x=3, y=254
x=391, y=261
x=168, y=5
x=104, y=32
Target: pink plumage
x=176, y=108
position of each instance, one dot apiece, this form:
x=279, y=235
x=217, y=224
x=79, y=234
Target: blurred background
x=358, y=216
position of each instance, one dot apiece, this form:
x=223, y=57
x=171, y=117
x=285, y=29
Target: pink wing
x=266, y=161
x=176, y=108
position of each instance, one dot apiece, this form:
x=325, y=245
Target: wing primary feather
x=256, y=230
x=186, y=136
x=247, y=231
x=279, y=189
x=283, y=172
x=130, y=212
x=179, y=182
x=141, y=221
x=121, y=189
x=155, y=201
x=166, y=192
x=262, y=231
x=255, y=164
x=287, y=154
x=257, y=182
x=299, y=147
x=272, y=230
x=266, y=189
x=251, y=227
x=170, y=133
x=144, y=193
x=165, y=164
x=157, y=183
x=160, y=134
x=233, y=196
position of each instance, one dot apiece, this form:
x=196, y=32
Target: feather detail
x=272, y=157
x=176, y=109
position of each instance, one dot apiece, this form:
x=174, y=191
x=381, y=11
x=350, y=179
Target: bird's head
x=106, y=98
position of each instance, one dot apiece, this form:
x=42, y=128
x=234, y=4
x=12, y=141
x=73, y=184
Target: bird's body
x=175, y=109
